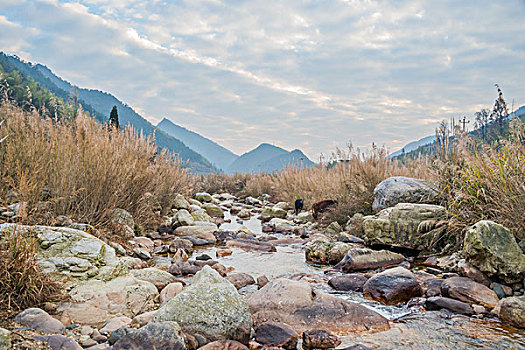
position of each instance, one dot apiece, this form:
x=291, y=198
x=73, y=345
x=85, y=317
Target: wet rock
x=493, y=249
x=153, y=275
x=156, y=335
x=202, y=232
x=115, y=323
x=319, y=339
x=392, y=286
x=73, y=255
x=224, y=345
x=211, y=307
x=296, y=304
x=276, y=334
x=468, y=270
x=468, y=291
x=59, y=342
x=39, y=320
x=262, y=281
x=512, y=310
x=347, y=238
x=351, y=282
x=455, y=306
x=239, y=279
x=326, y=252
x=432, y=287
x=180, y=243
x=170, y=291
x=400, y=189
x=400, y=226
x=95, y=302
x=203, y=197
x=359, y=259
x=246, y=244
x=200, y=215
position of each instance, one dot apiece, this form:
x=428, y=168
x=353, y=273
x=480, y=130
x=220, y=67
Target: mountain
x=267, y=158
x=219, y=156
x=99, y=104
x=413, y=146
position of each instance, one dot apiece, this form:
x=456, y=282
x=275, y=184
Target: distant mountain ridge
x=100, y=103
x=268, y=158
x=219, y=156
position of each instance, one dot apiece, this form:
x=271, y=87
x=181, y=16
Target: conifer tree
x=113, y=118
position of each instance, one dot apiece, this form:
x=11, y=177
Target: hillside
x=99, y=104
x=267, y=158
x=219, y=156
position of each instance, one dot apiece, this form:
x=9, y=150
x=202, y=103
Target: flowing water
x=411, y=327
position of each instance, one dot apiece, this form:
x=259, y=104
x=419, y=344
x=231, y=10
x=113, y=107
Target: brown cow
x=322, y=206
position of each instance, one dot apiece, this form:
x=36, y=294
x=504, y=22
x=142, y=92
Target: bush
x=83, y=169
x=22, y=285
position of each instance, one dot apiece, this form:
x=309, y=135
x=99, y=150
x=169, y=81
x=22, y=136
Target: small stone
x=59, y=342
x=86, y=341
x=86, y=330
x=224, y=345
x=262, y=281
x=276, y=334
x=142, y=253
x=348, y=282
x=114, y=324
x=40, y=320
x=143, y=319
x=170, y=291
x=239, y=279
x=223, y=252
x=203, y=257
x=119, y=333
x=320, y=339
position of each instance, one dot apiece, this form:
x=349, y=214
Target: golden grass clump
x=22, y=285
x=84, y=169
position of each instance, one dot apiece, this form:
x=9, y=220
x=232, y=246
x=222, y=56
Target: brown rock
x=251, y=245
x=319, y=339
x=350, y=282
x=359, y=259
x=239, y=279
x=295, y=303
x=512, y=310
x=224, y=345
x=456, y=306
x=392, y=286
x=276, y=334
x=468, y=291
x=223, y=252
x=432, y=287
x=468, y=270
x=262, y=281
x=170, y=291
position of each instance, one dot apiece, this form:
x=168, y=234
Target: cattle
x=298, y=206
x=322, y=206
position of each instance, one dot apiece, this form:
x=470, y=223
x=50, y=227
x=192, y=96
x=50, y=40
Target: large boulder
x=493, y=249
x=211, y=307
x=321, y=251
x=298, y=305
x=95, y=302
x=69, y=254
x=359, y=259
x=412, y=226
x=400, y=189
x=155, y=336
x=392, y=286
x=468, y=291
x=512, y=310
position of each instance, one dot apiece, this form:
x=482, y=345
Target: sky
x=307, y=74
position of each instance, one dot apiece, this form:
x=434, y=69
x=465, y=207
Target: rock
x=401, y=226
x=203, y=197
x=468, y=291
x=183, y=268
x=120, y=216
x=501, y=290
x=359, y=259
x=239, y=279
x=304, y=217
x=276, y=334
x=246, y=244
x=200, y=215
x=179, y=202
x=95, y=302
x=455, y=306
x=119, y=333
x=211, y=307
x=180, y=243
x=319, y=339
x=223, y=252
x=114, y=324
x=351, y=282
x=170, y=292
x=39, y=320
x=224, y=345
x=203, y=232
x=325, y=252
x=5, y=339
x=69, y=254
x=153, y=275
x=142, y=253
x=333, y=229
x=512, y=310
x=144, y=242
x=472, y=272
x=156, y=335
x=87, y=342
x=262, y=281
x=432, y=287
x=493, y=249
x=296, y=304
x=244, y=214
x=400, y=189
x=129, y=263
x=59, y=342
x=184, y=218
x=118, y=248
x=143, y=319
x=392, y=286
x=213, y=210
x=272, y=212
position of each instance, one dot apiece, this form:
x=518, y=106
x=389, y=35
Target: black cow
x=298, y=206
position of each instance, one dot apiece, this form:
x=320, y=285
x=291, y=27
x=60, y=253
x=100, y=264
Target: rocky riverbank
x=223, y=272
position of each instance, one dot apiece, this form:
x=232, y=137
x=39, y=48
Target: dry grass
x=83, y=169
x=22, y=285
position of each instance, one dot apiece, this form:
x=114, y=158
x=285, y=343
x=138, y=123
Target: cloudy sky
x=309, y=74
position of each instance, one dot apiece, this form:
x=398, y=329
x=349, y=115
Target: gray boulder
x=400, y=189
x=154, y=336
x=212, y=307
x=39, y=320
x=184, y=218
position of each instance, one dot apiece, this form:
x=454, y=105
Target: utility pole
x=464, y=121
